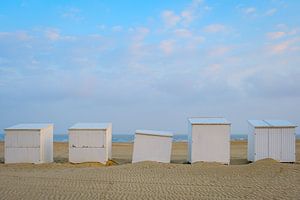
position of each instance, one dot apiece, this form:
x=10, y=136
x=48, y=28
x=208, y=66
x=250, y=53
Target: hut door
x=288, y=145
x=275, y=143
x=261, y=144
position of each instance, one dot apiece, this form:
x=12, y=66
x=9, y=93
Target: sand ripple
x=265, y=179
x=150, y=180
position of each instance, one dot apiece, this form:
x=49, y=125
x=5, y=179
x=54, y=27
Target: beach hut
x=90, y=142
x=271, y=139
x=150, y=145
x=208, y=140
x=29, y=143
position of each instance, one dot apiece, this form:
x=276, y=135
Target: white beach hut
x=271, y=139
x=150, y=145
x=209, y=140
x=29, y=143
x=90, y=142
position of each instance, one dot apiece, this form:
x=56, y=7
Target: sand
x=266, y=179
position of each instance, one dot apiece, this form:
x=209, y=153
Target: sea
x=129, y=138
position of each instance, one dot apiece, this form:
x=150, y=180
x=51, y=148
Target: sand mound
x=267, y=161
x=147, y=163
x=207, y=164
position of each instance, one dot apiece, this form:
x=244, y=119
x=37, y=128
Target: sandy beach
x=265, y=179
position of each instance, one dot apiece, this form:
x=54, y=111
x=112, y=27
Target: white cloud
x=101, y=27
x=167, y=46
x=185, y=17
x=73, y=14
x=198, y=39
x=185, y=33
x=195, y=3
x=276, y=35
x=284, y=31
x=4, y=34
x=19, y=35
x=293, y=31
x=287, y=45
x=282, y=26
x=190, y=13
x=208, y=8
x=271, y=12
x=96, y=37
x=219, y=51
x=137, y=48
x=249, y=10
x=170, y=18
x=194, y=42
x=52, y=34
x=117, y=28
x=280, y=48
x=140, y=33
x=23, y=35
x=239, y=78
x=215, y=28
x=213, y=70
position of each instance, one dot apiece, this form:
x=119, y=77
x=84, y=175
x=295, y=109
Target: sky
x=149, y=64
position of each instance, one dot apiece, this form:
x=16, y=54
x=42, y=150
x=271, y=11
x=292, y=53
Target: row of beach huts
x=208, y=141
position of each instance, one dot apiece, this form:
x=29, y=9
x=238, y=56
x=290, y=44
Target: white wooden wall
x=275, y=143
x=89, y=146
x=152, y=148
x=250, y=143
x=29, y=146
x=210, y=143
x=22, y=146
x=109, y=141
x=190, y=142
x=288, y=153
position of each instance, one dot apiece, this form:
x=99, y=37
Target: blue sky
x=149, y=65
